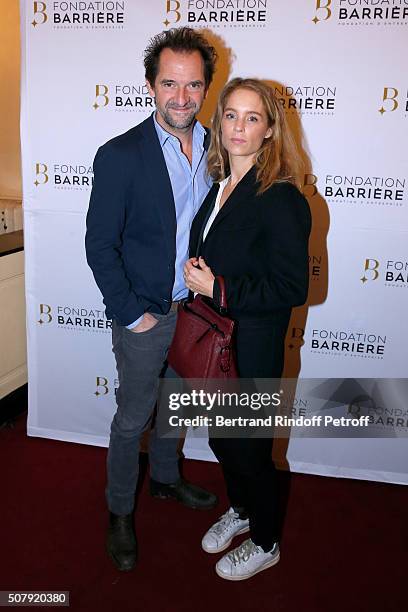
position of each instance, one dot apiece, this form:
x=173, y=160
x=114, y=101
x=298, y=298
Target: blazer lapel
x=200, y=220
x=207, y=213
x=158, y=181
x=244, y=189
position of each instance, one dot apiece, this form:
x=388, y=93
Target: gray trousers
x=140, y=360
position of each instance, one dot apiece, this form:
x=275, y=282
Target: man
x=148, y=185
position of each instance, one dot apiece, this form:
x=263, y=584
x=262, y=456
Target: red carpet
x=344, y=545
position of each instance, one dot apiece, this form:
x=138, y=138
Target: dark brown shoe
x=121, y=543
x=186, y=493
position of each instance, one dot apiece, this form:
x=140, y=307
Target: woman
x=253, y=228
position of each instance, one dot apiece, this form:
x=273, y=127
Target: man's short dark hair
x=183, y=40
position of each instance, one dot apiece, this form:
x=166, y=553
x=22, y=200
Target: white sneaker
x=246, y=561
x=220, y=535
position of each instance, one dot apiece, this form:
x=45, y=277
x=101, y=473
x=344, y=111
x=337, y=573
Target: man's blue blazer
x=131, y=225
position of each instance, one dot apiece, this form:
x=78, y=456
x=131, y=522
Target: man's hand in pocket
x=145, y=324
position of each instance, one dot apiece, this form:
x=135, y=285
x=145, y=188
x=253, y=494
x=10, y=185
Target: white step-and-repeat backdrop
x=338, y=66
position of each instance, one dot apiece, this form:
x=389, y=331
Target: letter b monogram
x=322, y=8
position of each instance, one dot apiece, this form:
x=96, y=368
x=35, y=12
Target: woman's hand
x=199, y=277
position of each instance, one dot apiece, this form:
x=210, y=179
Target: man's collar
x=199, y=132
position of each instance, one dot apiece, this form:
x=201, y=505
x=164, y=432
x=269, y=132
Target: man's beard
x=181, y=123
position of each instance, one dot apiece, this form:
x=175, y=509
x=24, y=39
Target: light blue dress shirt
x=190, y=184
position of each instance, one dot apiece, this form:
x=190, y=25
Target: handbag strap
x=223, y=293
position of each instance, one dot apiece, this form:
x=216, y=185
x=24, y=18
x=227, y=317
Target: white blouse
x=216, y=208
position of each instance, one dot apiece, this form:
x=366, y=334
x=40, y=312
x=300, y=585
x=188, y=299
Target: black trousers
x=249, y=472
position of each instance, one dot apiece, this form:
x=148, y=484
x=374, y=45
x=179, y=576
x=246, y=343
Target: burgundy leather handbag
x=202, y=346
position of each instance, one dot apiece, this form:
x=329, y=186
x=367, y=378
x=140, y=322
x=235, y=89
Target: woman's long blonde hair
x=277, y=160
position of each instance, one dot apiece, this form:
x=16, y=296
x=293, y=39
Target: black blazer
x=259, y=244
x=131, y=225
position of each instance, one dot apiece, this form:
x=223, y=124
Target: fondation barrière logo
x=394, y=101
x=80, y=15
x=361, y=12
x=122, y=97
x=216, y=13
x=74, y=318
x=360, y=189
x=312, y=99
x=389, y=272
x=61, y=175
x=348, y=343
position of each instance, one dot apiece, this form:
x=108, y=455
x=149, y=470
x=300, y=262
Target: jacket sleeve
x=286, y=224
x=103, y=241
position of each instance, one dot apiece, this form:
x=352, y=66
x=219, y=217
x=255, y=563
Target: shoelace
x=225, y=521
x=243, y=552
